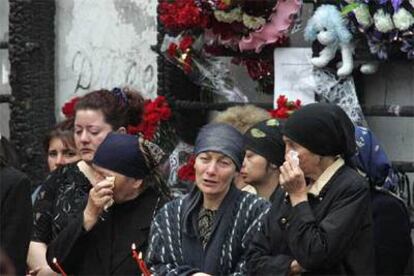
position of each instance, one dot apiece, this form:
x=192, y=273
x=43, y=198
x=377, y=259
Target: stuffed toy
x=328, y=27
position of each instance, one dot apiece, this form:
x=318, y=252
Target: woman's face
x=90, y=130
x=58, y=154
x=255, y=168
x=309, y=162
x=214, y=173
x=125, y=188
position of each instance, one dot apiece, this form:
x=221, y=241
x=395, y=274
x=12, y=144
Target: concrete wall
x=4, y=69
x=103, y=44
x=393, y=84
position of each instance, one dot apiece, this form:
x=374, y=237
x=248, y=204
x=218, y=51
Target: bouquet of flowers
x=284, y=107
x=155, y=112
x=388, y=26
x=209, y=72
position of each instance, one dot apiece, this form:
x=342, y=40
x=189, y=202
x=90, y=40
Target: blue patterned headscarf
x=372, y=160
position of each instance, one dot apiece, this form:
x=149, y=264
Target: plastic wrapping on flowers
x=209, y=72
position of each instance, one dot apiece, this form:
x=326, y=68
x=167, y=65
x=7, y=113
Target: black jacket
x=328, y=234
x=15, y=216
x=392, y=231
x=106, y=248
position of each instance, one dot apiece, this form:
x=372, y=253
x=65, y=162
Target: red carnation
x=172, y=50
x=187, y=171
x=281, y=101
x=155, y=112
x=165, y=113
x=186, y=43
x=68, y=108
x=282, y=113
x=284, y=108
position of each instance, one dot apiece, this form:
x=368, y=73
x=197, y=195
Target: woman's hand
x=42, y=271
x=292, y=180
x=99, y=196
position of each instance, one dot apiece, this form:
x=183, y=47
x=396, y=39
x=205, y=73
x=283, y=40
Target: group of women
x=312, y=212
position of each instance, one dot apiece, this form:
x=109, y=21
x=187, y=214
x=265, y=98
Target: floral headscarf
x=372, y=160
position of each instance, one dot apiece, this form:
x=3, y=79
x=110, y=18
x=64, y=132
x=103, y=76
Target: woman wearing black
x=324, y=227
x=98, y=242
x=65, y=191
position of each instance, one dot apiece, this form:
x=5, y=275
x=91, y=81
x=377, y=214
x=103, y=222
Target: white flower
x=252, y=22
x=383, y=22
x=403, y=19
x=363, y=16
x=229, y=17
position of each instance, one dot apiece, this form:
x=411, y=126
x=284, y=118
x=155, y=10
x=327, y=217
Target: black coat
x=328, y=234
x=106, y=248
x=392, y=231
x=15, y=216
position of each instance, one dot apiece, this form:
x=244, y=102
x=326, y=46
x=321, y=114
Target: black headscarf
x=324, y=129
x=221, y=138
x=265, y=139
x=121, y=153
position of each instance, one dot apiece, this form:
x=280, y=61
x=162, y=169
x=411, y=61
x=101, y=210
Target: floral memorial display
x=197, y=31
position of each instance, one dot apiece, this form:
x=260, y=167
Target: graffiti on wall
x=110, y=70
x=103, y=44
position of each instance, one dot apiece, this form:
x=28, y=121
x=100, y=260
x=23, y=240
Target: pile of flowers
x=229, y=23
x=155, y=111
x=387, y=25
x=284, y=107
x=227, y=27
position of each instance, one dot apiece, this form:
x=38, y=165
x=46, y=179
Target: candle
x=62, y=272
x=143, y=266
x=140, y=262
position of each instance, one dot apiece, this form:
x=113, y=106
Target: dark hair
x=8, y=156
x=119, y=107
x=62, y=131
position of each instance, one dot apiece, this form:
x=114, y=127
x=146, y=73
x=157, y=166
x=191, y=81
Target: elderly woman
x=98, y=242
x=321, y=223
x=208, y=230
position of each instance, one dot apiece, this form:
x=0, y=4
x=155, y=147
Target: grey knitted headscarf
x=221, y=138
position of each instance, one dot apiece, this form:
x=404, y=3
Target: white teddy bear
x=328, y=27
